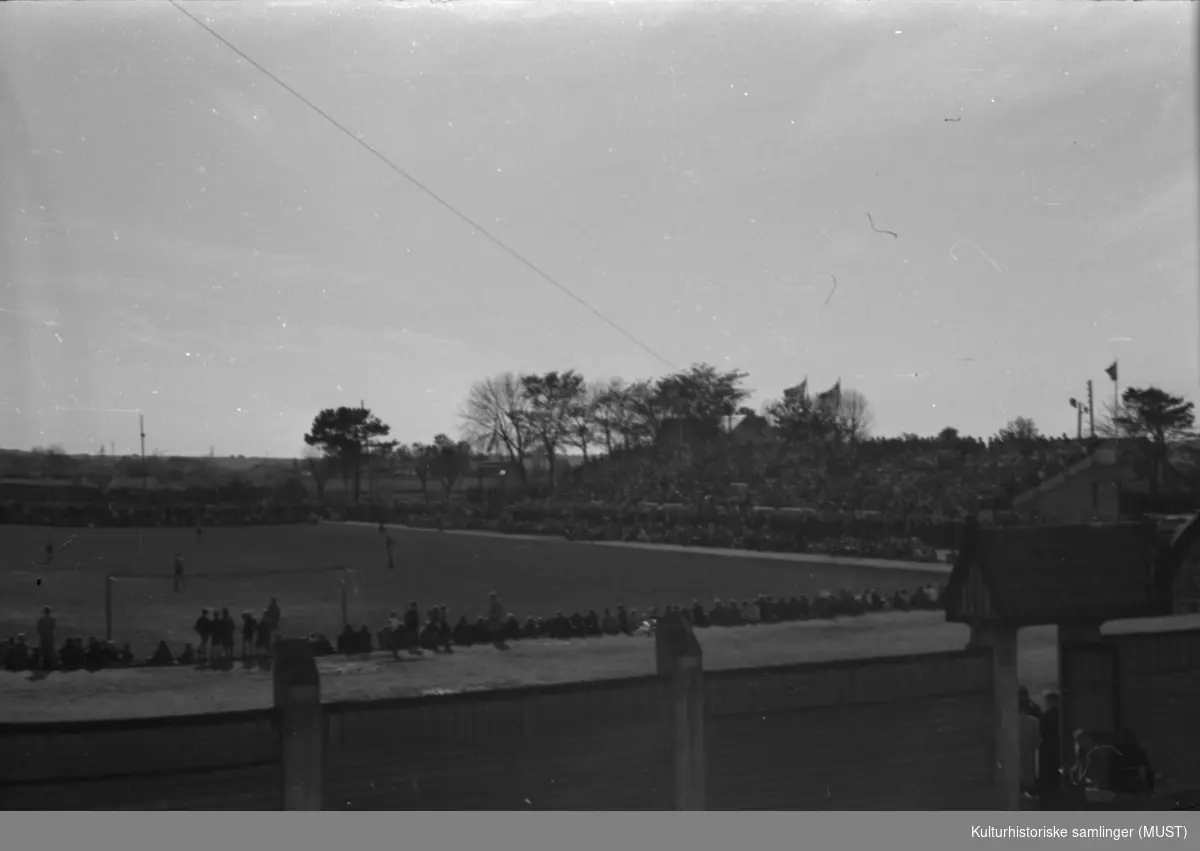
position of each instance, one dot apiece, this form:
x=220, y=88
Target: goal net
x=144, y=608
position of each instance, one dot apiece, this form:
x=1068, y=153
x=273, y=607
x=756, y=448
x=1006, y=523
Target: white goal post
x=169, y=578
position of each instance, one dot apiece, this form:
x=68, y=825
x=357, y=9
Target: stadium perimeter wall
x=901, y=732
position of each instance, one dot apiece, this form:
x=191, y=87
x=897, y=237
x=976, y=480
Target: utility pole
x=142, y=429
x=1078, y=418
x=1091, y=411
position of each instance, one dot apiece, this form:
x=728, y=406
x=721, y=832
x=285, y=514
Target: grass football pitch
x=538, y=576
x=533, y=577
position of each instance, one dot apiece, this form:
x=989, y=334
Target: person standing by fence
x=496, y=618
x=45, y=630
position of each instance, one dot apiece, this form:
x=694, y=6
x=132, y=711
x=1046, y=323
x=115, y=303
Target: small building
x=1036, y=575
x=1096, y=489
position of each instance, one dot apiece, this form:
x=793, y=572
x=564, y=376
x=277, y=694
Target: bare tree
x=495, y=418
x=585, y=419
x=424, y=464
x=855, y=415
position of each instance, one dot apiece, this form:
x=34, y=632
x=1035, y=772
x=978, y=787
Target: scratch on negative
x=877, y=230
x=36, y=371
x=832, y=291
x=983, y=253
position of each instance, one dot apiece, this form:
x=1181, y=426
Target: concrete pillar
x=679, y=659
x=1002, y=640
x=297, y=686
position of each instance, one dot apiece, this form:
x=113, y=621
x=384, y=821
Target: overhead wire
x=520, y=258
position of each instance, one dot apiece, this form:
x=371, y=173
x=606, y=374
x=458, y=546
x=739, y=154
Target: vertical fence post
x=108, y=603
x=679, y=659
x=1001, y=639
x=297, y=688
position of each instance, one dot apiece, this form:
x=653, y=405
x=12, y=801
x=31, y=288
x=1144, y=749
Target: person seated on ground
x=850, y=604
x=560, y=627
x=900, y=601
x=187, y=657
x=763, y=603
x=18, y=656
x=822, y=605
x=125, y=655
x=109, y=654
x=623, y=621
x=609, y=624
x=876, y=600
x=249, y=626
x=577, y=625
x=429, y=635
x=480, y=634
x=699, y=616
x=530, y=629
x=462, y=633
x=93, y=655
x=73, y=656
x=920, y=600
x=512, y=629
x=717, y=614
x=733, y=613
x=750, y=612
x=322, y=647
x=591, y=624
x=364, y=639
x=345, y=641
x=162, y=655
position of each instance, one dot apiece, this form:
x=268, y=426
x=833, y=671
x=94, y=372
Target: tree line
x=546, y=415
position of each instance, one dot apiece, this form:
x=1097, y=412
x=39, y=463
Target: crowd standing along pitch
x=533, y=577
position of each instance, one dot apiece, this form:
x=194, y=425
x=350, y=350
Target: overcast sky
x=182, y=237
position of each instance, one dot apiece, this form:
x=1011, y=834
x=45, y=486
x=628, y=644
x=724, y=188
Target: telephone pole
x=1091, y=411
x=142, y=429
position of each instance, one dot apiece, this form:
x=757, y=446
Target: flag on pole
x=1112, y=371
x=831, y=399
